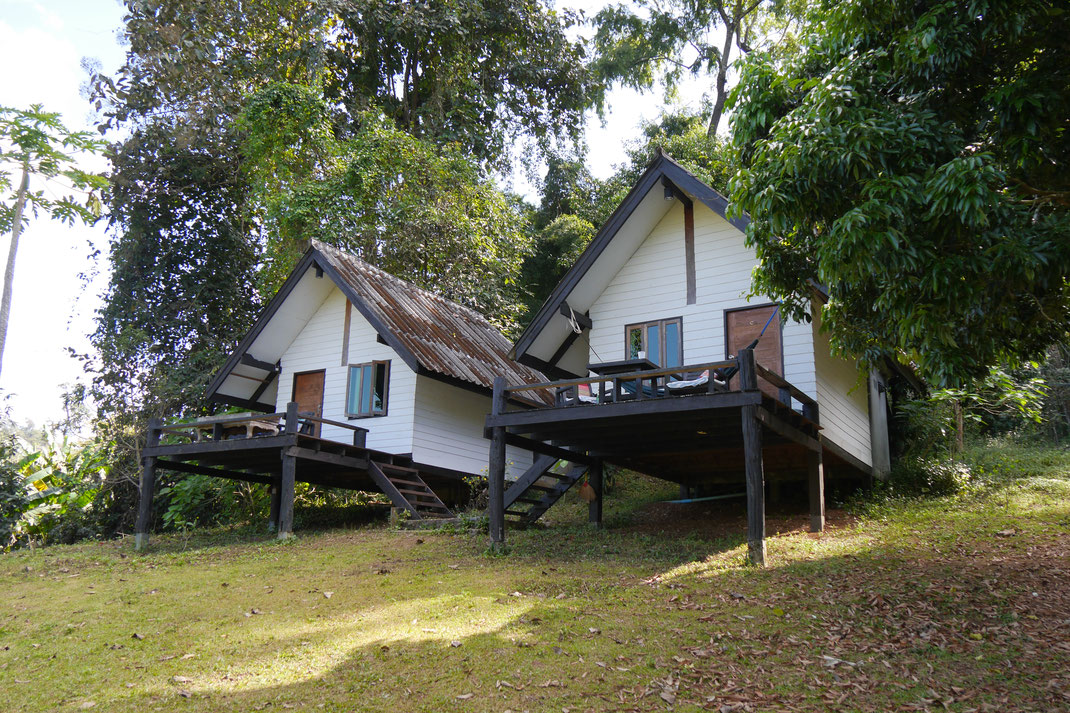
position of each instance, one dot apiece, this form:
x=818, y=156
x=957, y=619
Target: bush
x=13, y=498
x=921, y=476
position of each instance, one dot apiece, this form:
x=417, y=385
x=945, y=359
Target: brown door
x=308, y=394
x=742, y=326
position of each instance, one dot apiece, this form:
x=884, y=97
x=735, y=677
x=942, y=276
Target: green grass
x=957, y=603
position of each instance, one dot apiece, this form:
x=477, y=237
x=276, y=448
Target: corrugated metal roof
x=443, y=336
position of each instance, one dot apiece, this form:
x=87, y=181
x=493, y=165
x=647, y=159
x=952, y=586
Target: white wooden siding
x=842, y=398
x=319, y=346
x=448, y=430
x=652, y=285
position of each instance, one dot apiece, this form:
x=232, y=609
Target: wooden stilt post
x=752, y=455
x=496, y=470
x=275, y=493
x=816, y=475
x=594, y=508
x=148, y=486
x=288, y=479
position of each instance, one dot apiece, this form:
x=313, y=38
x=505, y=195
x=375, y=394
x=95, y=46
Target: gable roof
x=431, y=334
x=642, y=207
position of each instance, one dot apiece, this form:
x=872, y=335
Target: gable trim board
x=261, y=322
x=660, y=169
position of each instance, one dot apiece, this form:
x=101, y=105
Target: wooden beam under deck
x=519, y=421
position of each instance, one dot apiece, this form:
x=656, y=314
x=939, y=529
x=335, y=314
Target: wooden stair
x=408, y=491
x=542, y=485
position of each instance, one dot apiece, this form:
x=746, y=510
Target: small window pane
x=672, y=344
x=653, y=344
x=353, y=398
x=366, y=389
x=379, y=397
x=635, y=342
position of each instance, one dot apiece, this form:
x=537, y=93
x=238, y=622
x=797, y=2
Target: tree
x=478, y=73
x=420, y=212
x=35, y=144
x=667, y=39
x=914, y=158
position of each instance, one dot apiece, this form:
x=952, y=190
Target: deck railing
x=249, y=425
x=654, y=384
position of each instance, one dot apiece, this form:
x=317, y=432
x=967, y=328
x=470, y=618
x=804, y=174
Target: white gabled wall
x=448, y=430
x=319, y=346
x=652, y=285
x=843, y=399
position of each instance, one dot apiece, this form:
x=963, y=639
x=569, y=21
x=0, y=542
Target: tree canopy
x=647, y=41
x=420, y=212
x=915, y=160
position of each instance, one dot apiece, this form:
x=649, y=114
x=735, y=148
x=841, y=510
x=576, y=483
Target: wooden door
x=742, y=326
x=308, y=394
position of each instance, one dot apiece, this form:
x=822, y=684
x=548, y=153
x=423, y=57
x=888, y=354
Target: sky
x=53, y=307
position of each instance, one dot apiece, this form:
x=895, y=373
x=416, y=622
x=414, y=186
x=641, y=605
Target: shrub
x=932, y=477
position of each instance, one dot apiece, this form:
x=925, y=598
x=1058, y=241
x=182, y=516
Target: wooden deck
x=280, y=450
x=697, y=437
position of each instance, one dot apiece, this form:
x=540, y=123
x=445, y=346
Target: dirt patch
x=726, y=518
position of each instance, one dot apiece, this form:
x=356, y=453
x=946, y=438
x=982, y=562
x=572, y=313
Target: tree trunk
x=960, y=429
x=722, y=78
x=9, y=271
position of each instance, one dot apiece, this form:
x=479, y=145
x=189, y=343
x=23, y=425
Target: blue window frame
x=366, y=392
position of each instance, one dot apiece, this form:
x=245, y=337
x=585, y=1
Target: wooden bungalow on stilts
x=355, y=379
x=663, y=364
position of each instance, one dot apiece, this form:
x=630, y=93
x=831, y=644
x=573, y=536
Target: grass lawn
x=957, y=604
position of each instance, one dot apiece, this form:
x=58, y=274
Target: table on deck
x=622, y=366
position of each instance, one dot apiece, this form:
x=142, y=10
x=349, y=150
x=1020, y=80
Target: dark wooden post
x=288, y=478
x=816, y=474
x=752, y=455
x=148, y=485
x=594, y=508
x=496, y=470
x=275, y=493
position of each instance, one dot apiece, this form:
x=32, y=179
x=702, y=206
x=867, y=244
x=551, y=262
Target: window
x=366, y=392
x=661, y=342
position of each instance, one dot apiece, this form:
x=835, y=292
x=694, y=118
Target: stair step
x=402, y=481
x=420, y=493
x=389, y=466
x=528, y=500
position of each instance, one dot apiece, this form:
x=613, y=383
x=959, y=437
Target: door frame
x=780, y=326
x=323, y=389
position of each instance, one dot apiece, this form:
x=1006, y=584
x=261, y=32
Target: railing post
x=292, y=422
x=496, y=470
x=816, y=474
x=148, y=484
x=748, y=376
